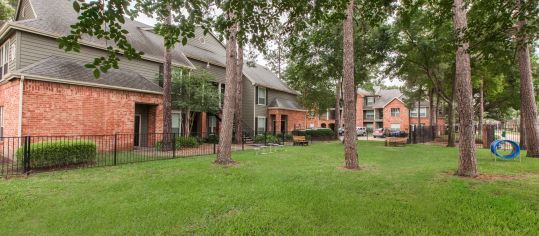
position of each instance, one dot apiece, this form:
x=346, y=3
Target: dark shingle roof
x=56, y=16
x=258, y=74
x=69, y=70
x=385, y=96
x=285, y=104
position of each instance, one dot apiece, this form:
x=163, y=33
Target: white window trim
x=398, y=112
x=258, y=123
x=265, y=95
x=416, y=111
x=5, y=58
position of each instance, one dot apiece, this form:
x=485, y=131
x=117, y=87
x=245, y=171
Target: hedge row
x=319, y=134
x=59, y=153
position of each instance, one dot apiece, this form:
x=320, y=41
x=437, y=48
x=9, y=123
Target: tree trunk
x=437, y=107
x=522, y=129
x=451, y=118
x=188, y=123
x=467, y=159
x=224, y=155
x=337, y=109
x=431, y=113
x=527, y=94
x=237, y=112
x=350, y=136
x=167, y=89
x=481, y=108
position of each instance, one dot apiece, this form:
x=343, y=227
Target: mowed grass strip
x=300, y=191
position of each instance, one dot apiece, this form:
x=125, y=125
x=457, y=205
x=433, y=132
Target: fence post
x=243, y=142
x=115, y=147
x=214, y=148
x=26, y=155
x=265, y=138
x=173, y=145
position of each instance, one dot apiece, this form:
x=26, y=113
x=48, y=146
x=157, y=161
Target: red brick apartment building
x=382, y=109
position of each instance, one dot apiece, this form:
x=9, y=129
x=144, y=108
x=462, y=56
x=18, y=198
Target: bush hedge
x=316, y=134
x=267, y=138
x=58, y=153
x=182, y=142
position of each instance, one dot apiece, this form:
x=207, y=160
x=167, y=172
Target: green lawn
x=300, y=191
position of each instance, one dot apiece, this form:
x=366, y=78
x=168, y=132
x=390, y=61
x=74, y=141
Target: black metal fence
x=24, y=155
x=422, y=134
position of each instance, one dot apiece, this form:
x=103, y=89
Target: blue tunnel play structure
x=497, y=143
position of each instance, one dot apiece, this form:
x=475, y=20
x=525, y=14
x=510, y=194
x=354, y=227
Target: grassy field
x=300, y=191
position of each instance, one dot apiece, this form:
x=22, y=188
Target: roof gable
x=24, y=11
x=208, y=48
x=53, y=18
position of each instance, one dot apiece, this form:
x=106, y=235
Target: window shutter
x=256, y=125
x=256, y=95
x=266, y=96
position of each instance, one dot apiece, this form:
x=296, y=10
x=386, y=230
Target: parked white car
x=361, y=131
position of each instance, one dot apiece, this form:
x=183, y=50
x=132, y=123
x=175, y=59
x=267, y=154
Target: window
x=423, y=111
x=12, y=52
x=261, y=96
x=261, y=124
x=369, y=101
x=176, y=123
x=5, y=58
x=212, y=124
x=1, y=123
x=369, y=115
x=396, y=127
x=395, y=112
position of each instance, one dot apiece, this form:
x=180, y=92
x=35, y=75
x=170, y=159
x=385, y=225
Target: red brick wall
x=61, y=109
x=296, y=119
x=402, y=119
x=359, y=111
x=9, y=100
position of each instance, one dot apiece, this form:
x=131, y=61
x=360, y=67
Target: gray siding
x=26, y=11
x=218, y=72
x=207, y=41
x=35, y=48
x=248, y=102
x=272, y=94
x=12, y=46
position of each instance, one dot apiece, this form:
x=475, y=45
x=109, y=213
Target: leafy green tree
x=7, y=9
x=192, y=93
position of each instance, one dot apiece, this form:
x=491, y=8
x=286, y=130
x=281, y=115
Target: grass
x=300, y=191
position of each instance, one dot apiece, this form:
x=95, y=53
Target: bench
x=395, y=141
x=299, y=140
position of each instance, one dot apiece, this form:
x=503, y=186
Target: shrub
x=181, y=142
x=212, y=138
x=261, y=138
x=315, y=134
x=187, y=142
x=319, y=133
x=58, y=153
x=287, y=137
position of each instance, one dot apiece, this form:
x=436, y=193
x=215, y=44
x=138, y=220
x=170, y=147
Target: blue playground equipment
x=494, y=146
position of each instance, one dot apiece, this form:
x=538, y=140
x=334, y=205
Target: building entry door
x=136, y=133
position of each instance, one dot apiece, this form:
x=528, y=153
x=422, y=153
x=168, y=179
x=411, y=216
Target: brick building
x=382, y=109
x=47, y=91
